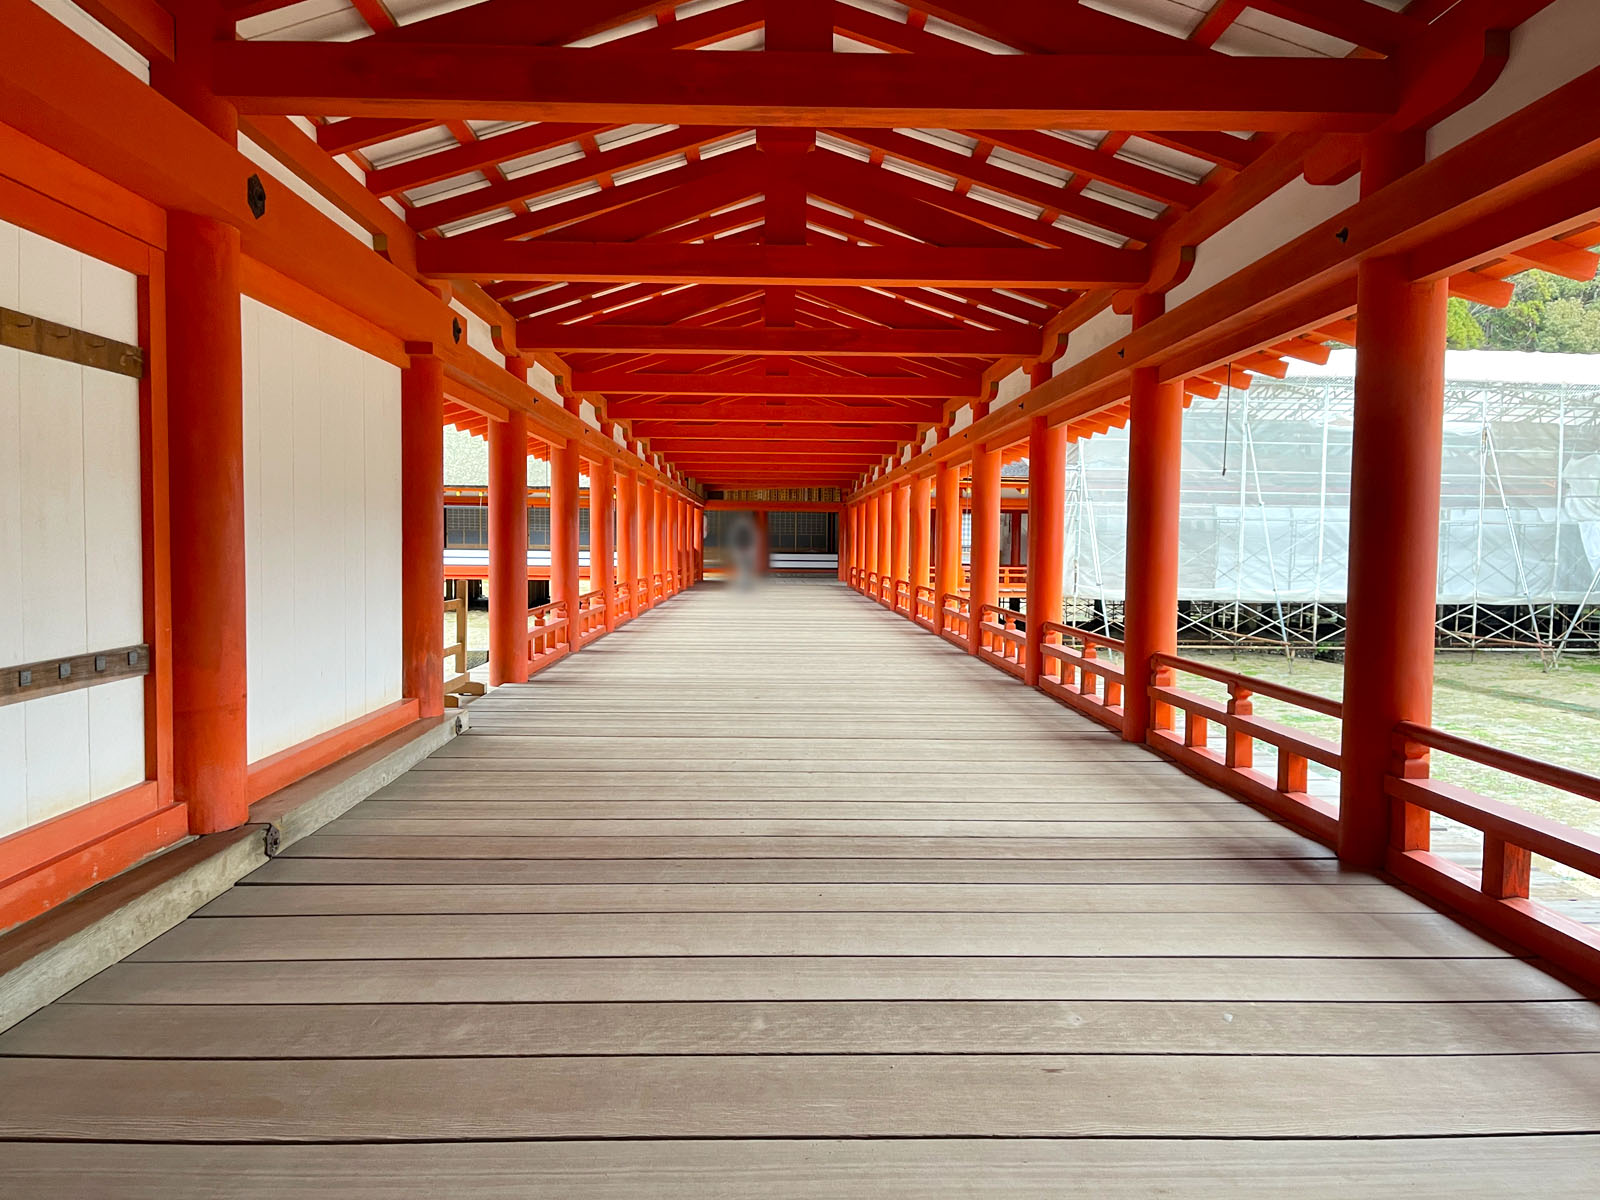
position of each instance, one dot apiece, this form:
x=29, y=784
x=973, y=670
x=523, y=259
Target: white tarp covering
x=1266, y=481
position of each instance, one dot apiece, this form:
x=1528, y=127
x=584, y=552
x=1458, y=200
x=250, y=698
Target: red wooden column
x=900, y=564
x=1047, y=494
x=602, y=504
x=985, y=541
x=763, y=542
x=1155, y=460
x=628, y=539
x=842, y=542
x=647, y=542
x=680, y=540
x=508, y=549
x=850, y=549
x=1396, y=447
x=564, y=578
x=697, y=539
x=921, y=532
x=206, y=405
x=885, y=563
x=658, y=522
x=869, y=539
x=947, y=559
x=422, y=531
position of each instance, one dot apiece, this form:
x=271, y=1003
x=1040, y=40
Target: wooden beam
x=503, y=192
x=746, y=383
x=547, y=334
x=494, y=81
x=790, y=412
x=965, y=168
x=712, y=432
x=877, y=266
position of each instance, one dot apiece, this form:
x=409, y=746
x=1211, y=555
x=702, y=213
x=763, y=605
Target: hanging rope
x=1227, y=419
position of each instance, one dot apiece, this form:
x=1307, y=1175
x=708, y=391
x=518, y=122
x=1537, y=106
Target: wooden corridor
x=773, y=894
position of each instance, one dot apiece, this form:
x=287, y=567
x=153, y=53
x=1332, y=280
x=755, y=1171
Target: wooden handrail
x=1500, y=895
x=1234, y=768
x=1532, y=769
x=1260, y=687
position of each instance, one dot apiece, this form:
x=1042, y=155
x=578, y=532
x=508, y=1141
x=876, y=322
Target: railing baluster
x=1240, y=751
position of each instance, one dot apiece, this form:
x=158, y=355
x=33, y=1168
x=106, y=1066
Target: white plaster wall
x=71, y=565
x=1548, y=50
x=1276, y=221
x=322, y=530
x=1012, y=386
x=1105, y=328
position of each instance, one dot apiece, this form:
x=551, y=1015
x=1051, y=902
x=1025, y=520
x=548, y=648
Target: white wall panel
x=1276, y=221
x=322, y=529
x=71, y=568
x=1548, y=50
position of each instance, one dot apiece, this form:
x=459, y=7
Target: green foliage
x=1546, y=313
x=1462, y=331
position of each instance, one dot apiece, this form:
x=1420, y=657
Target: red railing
x=621, y=596
x=657, y=592
x=1499, y=895
x=591, y=617
x=1010, y=580
x=924, y=609
x=872, y=584
x=902, y=596
x=954, y=617
x=1001, y=640
x=1233, y=768
x=1072, y=671
x=547, y=635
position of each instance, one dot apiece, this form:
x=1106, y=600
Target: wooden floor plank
x=1099, y=1095
x=347, y=899
x=1556, y=1167
x=1026, y=935
x=1178, y=873
x=676, y=978
x=1276, y=845
x=789, y=1027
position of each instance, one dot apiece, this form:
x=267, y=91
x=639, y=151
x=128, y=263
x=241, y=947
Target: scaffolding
x=1264, y=538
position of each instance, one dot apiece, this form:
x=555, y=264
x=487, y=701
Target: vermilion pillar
x=628, y=539
x=206, y=403
x=697, y=539
x=1396, y=447
x=947, y=558
x=1155, y=460
x=985, y=587
x=763, y=542
x=602, y=504
x=1047, y=488
x=869, y=539
x=508, y=549
x=921, y=534
x=422, y=531
x=885, y=564
x=564, y=578
x=647, y=542
x=658, y=536
x=900, y=564
x=680, y=560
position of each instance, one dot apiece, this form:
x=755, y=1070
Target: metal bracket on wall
x=35, y=335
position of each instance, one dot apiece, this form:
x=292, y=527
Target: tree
x=1547, y=313
x=1462, y=331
